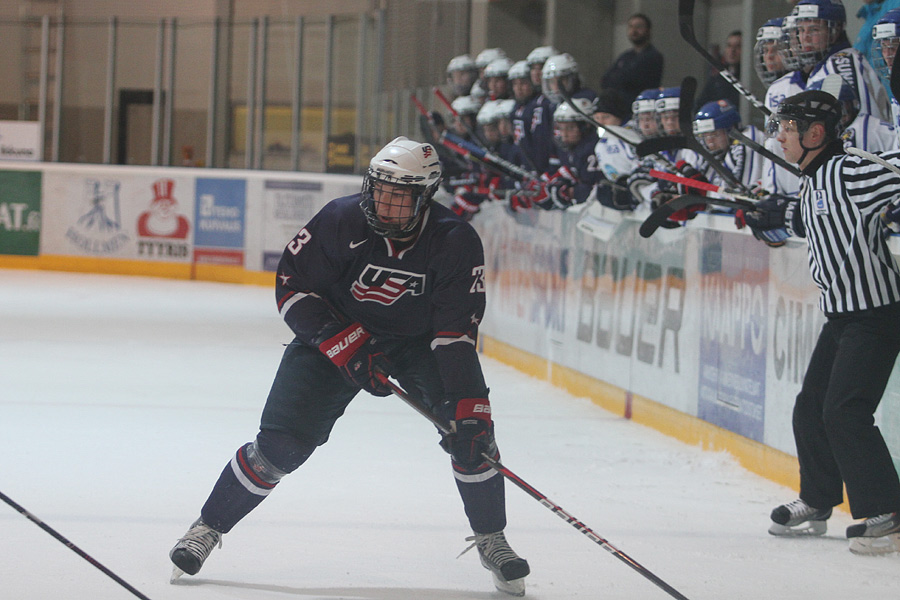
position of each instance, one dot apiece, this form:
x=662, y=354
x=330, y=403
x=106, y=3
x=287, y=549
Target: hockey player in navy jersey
x=384, y=282
x=577, y=174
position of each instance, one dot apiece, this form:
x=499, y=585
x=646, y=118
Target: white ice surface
x=121, y=399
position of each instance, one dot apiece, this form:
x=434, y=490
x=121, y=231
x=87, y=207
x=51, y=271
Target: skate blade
x=873, y=546
x=809, y=528
x=176, y=575
x=515, y=587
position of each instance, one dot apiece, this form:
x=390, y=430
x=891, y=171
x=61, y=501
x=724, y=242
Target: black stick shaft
x=686, y=26
x=534, y=493
x=71, y=546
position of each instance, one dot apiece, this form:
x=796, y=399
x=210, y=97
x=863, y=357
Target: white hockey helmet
x=565, y=113
x=560, y=65
x=489, y=113
x=466, y=105
x=401, y=164
x=505, y=108
x=498, y=68
x=519, y=70
x=461, y=74
x=557, y=69
x=488, y=55
x=463, y=62
x=479, y=95
x=540, y=55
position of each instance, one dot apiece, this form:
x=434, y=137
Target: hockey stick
x=445, y=428
x=440, y=96
x=70, y=545
x=473, y=152
x=894, y=80
x=873, y=158
x=487, y=156
x=623, y=133
x=668, y=143
x=686, y=25
x=700, y=185
x=764, y=152
x=662, y=214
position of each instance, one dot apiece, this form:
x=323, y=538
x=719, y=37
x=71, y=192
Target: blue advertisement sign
x=220, y=213
x=734, y=272
x=220, y=221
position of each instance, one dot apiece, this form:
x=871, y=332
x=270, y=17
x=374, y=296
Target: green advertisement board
x=20, y=212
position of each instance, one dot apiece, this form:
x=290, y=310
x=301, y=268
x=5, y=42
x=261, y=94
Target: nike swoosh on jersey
x=355, y=244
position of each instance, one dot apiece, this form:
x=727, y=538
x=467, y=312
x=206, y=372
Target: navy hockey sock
x=252, y=474
x=484, y=499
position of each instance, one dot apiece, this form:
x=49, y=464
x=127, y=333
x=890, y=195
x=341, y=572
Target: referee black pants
x=834, y=426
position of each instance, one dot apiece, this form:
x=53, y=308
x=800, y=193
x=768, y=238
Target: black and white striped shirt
x=849, y=258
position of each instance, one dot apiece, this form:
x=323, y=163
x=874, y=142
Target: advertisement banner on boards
x=220, y=216
x=734, y=276
x=21, y=140
x=113, y=215
x=20, y=212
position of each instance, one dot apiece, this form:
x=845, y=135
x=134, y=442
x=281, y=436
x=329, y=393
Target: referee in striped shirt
x=838, y=211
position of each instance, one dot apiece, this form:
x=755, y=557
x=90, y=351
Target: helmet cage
x=832, y=17
x=560, y=71
x=665, y=105
x=398, y=187
x=769, y=36
x=885, y=37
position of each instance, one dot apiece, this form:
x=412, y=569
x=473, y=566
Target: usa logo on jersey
x=386, y=286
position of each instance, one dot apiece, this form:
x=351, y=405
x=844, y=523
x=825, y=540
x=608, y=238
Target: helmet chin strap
x=808, y=150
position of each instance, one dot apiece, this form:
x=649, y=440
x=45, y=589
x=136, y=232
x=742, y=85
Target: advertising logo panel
x=289, y=206
x=109, y=214
x=220, y=217
x=734, y=271
x=20, y=212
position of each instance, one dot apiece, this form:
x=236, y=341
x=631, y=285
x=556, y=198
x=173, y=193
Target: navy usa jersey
x=337, y=270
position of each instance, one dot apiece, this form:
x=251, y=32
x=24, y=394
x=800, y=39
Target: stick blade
x=660, y=144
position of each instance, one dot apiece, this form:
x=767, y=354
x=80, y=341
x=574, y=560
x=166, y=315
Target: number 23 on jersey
x=296, y=244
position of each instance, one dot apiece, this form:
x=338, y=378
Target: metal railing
x=299, y=94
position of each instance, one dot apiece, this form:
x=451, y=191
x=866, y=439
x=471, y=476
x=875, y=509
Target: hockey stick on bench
x=662, y=214
x=444, y=428
x=59, y=537
x=686, y=26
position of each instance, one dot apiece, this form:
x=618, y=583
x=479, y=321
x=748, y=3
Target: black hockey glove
x=775, y=219
x=355, y=352
x=558, y=195
x=472, y=427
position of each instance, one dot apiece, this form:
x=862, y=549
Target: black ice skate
x=507, y=568
x=798, y=518
x=191, y=550
x=878, y=535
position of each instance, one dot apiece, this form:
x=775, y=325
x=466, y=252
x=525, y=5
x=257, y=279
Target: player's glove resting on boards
x=470, y=420
x=355, y=352
x=774, y=220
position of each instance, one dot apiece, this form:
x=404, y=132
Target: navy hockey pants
x=307, y=397
x=834, y=426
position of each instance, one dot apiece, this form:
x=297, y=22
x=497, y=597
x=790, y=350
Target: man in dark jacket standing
x=637, y=69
